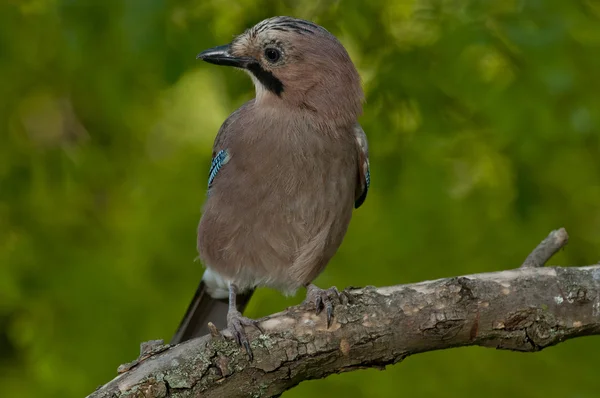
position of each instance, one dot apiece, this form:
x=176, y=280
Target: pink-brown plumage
x=281, y=205
x=294, y=165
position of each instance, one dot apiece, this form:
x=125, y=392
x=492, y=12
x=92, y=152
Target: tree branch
x=526, y=309
x=547, y=248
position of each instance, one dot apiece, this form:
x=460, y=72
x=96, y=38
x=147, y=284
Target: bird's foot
x=236, y=323
x=322, y=300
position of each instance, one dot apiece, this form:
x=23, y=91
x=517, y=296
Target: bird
x=288, y=169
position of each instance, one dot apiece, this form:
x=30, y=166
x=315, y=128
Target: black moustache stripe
x=266, y=78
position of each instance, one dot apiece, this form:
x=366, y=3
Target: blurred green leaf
x=483, y=120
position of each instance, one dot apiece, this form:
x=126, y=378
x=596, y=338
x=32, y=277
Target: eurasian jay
x=288, y=168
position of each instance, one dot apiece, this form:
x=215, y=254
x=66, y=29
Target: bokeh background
x=483, y=120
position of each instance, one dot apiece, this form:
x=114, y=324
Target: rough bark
x=526, y=309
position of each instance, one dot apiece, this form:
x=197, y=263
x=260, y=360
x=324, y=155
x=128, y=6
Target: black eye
x=272, y=54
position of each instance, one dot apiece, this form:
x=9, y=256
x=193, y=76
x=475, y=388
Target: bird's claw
x=236, y=323
x=322, y=299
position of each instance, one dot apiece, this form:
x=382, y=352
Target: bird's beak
x=222, y=56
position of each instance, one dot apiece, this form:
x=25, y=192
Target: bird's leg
x=322, y=299
x=236, y=322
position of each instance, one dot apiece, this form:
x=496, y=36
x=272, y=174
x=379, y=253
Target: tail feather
x=204, y=309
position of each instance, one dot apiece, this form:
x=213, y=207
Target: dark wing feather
x=364, y=173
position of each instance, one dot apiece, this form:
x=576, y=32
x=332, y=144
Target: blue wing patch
x=220, y=159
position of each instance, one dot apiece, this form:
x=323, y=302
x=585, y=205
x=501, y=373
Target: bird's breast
x=280, y=190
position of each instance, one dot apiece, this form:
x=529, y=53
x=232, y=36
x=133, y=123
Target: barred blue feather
x=218, y=161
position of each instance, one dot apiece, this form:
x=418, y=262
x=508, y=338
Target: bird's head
x=296, y=64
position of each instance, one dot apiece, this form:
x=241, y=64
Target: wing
x=364, y=173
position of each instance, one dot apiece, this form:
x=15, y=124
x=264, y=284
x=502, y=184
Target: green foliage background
x=483, y=120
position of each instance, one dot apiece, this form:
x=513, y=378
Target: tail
x=204, y=309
